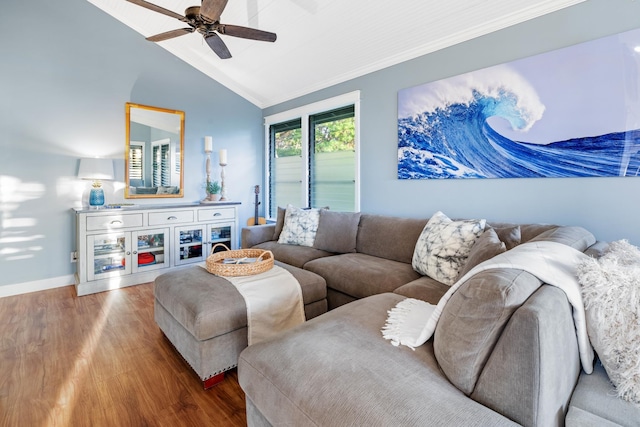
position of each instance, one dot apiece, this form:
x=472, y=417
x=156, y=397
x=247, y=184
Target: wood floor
x=100, y=360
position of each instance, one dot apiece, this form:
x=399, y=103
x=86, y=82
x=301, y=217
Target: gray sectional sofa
x=504, y=351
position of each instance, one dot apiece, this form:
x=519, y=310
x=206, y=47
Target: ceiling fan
x=206, y=20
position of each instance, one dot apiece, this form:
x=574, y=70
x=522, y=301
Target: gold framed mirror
x=153, y=158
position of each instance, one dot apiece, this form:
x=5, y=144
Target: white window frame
x=303, y=113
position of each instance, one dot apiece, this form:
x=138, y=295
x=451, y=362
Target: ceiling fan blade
x=217, y=45
x=246, y=33
x=170, y=34
x=158, y=9
x=212, y=9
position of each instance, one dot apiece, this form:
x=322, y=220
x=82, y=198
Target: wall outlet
x=74, y=256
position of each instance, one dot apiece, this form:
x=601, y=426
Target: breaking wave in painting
x=447, y=133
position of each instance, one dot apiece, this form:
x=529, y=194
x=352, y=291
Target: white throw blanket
x=412, y=322
x=273, y=300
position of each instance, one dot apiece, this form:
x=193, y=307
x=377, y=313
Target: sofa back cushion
x=337, y=231
x=279, y=223
x=576, y=237
x=388, y=237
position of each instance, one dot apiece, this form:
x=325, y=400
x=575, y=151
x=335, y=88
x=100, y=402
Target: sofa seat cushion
x=338, y=370
x=425, y=289
x=294, y=255
x=361, y=275
x=594, y=403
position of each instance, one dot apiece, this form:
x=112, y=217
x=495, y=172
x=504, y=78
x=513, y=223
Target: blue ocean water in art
x=456, y=140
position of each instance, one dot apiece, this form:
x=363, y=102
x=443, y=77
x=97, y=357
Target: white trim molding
x=36, y=286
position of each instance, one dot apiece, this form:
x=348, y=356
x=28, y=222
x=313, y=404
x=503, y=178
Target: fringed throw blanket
x=412, y=322
x=274, y=302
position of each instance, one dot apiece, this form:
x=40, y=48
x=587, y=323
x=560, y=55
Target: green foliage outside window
x=332, y=136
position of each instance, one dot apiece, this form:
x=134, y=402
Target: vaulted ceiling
x=324, y=42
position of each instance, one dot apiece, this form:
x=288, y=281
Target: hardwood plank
x=101, y=360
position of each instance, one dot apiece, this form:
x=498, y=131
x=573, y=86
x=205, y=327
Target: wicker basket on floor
x=216, y=265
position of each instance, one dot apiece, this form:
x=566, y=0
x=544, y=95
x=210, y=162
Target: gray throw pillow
x=486, y=247
x=473, y=319
x=337, y=231
x=511, y=236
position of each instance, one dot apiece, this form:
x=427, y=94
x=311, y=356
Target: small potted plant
x=213, y=191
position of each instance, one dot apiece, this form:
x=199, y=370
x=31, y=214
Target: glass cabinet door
x=151, y=250
x=220, y=233
x=189, y=244
x=108, y=255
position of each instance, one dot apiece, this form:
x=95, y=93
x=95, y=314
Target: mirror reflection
x=154, y=152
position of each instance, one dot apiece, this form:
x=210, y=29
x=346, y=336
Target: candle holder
x=208, y=149
x=223, y=188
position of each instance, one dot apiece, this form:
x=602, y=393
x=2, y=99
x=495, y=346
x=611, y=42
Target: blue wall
x=66, y=76
x=606, y=206
x=67, y=71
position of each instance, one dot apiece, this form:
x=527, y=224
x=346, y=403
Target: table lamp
x=96, y=170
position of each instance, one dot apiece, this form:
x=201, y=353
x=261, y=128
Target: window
x=136, y=154
x=312, y=157
x=161, y=163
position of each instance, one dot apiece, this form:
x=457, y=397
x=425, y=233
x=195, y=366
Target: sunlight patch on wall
x=16, y=241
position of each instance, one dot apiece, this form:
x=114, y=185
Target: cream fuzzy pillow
x=611, y=294
x=443, y=247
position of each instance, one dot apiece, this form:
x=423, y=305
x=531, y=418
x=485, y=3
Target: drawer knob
x=217, y=214
x=172, y=218
x=116, y=222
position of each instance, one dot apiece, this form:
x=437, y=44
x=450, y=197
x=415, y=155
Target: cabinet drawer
x=216, y=214
x=110, y=222
x=170, y=217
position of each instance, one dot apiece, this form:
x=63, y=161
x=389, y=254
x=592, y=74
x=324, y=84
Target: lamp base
x=96, y=198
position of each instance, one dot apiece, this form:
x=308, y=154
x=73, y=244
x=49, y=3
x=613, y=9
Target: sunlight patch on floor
x=62, y=412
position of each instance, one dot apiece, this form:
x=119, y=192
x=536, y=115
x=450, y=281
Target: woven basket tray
x=216, y=263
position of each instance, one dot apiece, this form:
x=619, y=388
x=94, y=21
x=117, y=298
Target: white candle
x=223, y=156
x=208, y=144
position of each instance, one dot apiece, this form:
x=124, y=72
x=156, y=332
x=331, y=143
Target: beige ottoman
x=205, y=317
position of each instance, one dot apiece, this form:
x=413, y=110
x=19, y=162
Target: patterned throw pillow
x=300, y=226
x=443, y=247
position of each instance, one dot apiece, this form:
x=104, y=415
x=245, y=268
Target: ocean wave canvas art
x=572, y=112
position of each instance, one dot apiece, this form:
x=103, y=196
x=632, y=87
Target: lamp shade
x=91, y=168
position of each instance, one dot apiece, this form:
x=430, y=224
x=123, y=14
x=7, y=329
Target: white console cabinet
x=128, y=246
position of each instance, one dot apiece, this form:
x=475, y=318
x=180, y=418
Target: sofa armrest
x=256, y=234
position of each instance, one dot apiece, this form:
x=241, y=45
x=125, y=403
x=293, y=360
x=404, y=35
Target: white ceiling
x=324, y=42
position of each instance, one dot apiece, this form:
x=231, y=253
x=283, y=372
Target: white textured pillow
x=300, y=226
x=611, y=294
x=443, y=247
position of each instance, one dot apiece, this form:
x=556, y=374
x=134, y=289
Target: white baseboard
x=37, y=285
